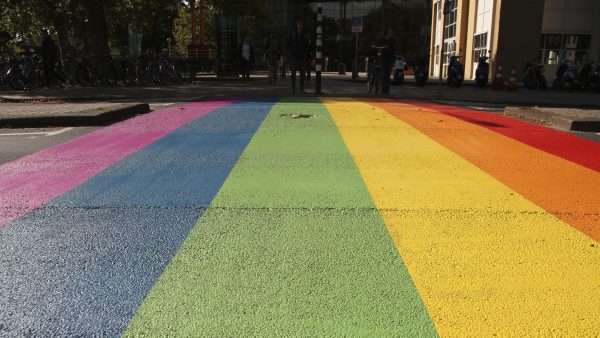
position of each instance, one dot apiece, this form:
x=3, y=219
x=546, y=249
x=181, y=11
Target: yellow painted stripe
x=484, y=259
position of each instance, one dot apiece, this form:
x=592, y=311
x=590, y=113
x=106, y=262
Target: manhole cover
x=297, y=116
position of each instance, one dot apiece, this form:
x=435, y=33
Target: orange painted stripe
x=570, y=147
x=569, y=191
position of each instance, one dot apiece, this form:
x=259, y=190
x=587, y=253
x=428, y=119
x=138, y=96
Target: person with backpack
x=298, y=46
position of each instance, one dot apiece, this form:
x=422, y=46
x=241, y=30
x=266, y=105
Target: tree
x=101, y=27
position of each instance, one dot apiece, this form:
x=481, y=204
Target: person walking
x=309, y=59
x=298, y=46
x=272, y=55
x=246, y=58
x=387, y=60
x=49, y=55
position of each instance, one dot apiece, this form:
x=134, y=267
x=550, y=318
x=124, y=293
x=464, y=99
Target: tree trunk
x=60, y=24
x=97, y=29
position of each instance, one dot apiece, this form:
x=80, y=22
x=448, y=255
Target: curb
x=102, y=117
x=560, y=122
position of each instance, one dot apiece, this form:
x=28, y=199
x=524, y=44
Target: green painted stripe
x=291, y=246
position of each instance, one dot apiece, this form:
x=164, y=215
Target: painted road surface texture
x=370, y=218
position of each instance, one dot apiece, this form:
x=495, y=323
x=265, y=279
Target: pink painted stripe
x=34, y=180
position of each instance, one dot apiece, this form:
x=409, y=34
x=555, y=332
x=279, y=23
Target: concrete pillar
x=468, y=52
x=519, y=32
x=435, y=37
x=595, y=50
x=462, y=23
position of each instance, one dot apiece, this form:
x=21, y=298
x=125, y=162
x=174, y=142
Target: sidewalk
x=333, y=85
x=30, y=115
x=566, y=119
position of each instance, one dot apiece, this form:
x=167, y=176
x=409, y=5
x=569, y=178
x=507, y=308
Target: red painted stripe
x=569, y=147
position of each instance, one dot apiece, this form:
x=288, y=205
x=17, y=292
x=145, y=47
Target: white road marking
x=23, y=134
x=64, y=130
x=44, y=133
x=488, y=109
x=156, y=106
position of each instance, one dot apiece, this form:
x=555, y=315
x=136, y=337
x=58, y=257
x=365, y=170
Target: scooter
x=534, y=76
x=594, y=79
x=566, y=77
x=589, y=77
x=421, y=73
x=456, y=71
x=482, y=72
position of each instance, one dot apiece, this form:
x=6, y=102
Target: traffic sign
x=357, y=24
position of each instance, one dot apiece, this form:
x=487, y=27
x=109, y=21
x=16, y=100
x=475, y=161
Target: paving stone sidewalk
x=567, y=119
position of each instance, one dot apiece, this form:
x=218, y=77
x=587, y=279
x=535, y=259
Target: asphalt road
x=18, y=142
x=368, y=217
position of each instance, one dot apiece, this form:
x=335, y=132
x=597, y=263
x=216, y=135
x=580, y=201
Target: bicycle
x=375, y=73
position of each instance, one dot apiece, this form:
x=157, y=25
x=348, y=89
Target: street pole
x=319, y=51
x=202, y=22
x=355, y=70
x=445, y=12
x=193, y=12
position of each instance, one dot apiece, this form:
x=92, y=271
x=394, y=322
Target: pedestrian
x=298, y=49
x=309, y=59
x=272, y=55
x=49, y=55
x=387, y=60
x=246, y=57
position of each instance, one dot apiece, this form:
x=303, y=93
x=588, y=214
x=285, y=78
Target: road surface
x=231, y=217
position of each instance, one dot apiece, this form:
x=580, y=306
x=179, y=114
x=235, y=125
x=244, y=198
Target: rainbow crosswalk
x=371, y=218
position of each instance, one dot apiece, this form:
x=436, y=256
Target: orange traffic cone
x=512, y=81
x=498, y=80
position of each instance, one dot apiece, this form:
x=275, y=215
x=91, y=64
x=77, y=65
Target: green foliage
x=181, y=31
x=88, y=25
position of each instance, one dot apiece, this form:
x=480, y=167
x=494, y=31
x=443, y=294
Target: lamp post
x=202, y=23
x=193, y=17
x=319, y=51
x=448, y=5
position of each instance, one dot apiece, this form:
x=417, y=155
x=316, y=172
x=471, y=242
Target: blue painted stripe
x=83, y=264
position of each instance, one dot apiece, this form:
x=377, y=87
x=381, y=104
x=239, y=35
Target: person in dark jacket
x=49, y=57
x=387, y=60
x=272, y=55
x=246, y=57
x=298, y=46
x=309, y=59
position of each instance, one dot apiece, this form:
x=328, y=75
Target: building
x=410, y=19
x=512, y=32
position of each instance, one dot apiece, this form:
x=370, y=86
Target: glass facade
x=574, y=48
x=410, y=20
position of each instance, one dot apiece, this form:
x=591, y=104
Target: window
x=450, y=24
x=450, y=33
x=480, y=47
x=571, y=47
